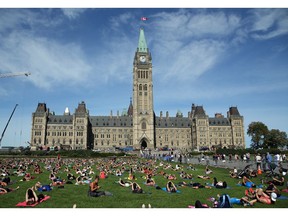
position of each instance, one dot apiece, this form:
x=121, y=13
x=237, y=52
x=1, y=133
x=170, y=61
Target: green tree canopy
x=258, y=132
x=275, y=139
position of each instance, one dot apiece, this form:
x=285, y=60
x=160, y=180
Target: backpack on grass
x=224, y=201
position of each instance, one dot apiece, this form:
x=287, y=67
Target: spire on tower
x=130, y=109
x=142, y=46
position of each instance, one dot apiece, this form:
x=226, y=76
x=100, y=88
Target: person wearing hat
x=273, y=197
x=262, y=197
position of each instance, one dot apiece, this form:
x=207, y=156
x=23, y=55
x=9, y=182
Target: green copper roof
x=142, y=46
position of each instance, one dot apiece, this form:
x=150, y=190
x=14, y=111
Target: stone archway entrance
x=143, y=144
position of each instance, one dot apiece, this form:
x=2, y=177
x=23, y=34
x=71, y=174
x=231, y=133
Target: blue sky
x=212, y=57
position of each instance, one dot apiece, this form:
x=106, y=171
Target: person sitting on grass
x=234, y=173
x=208, y=171
x=136, y=188
x=93, y=189
x=170, y=187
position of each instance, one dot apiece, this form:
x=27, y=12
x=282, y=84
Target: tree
x=275, y=139
x=258, y=132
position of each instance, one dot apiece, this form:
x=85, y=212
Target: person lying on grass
x=279, y=181
x=203, y=177
x=219, y=184
x=262, y=197
x=247, y=182
x=185, y=175
x=272, y=189
x=31, y=197
x=136, y=188
x=170, y=187
x=194, y=185
x=124, y=184
x=7, y=190
x=149, y=180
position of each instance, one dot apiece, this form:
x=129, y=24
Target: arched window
x=145, y=87
x=143, y=125
x=140, y=87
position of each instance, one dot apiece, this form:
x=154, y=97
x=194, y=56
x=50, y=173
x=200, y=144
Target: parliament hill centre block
x=138, y=127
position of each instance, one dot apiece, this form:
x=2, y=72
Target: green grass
x=124, y=198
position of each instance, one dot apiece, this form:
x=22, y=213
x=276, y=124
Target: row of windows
x=37, y=120
x=220, y=134
x=58, y=142
x=60, y=127
x=95, y=131
x=177, y=136
x=173, y=125
x=145, y=93
x=114, y=124
x=142, y=74
x=60, y=133
x=143, y=87
x=108, y=136
x=102, y=143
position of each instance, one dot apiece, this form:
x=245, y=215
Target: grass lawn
x=123, y=197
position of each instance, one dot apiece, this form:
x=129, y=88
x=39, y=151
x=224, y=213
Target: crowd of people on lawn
x=178, y=176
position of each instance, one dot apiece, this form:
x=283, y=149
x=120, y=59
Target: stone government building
x=138, y=127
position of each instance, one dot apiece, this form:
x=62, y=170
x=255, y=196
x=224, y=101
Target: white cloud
x=183, y=56
x=32, y=20
x=50, y=62
x=191, y=60
x=217, y=24
x=269, y=23
x=73, y=13
x=184, y=24
x=122, y=19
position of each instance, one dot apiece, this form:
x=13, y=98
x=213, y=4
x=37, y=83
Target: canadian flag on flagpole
x=144, y=18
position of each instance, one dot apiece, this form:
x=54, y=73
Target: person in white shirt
x=258, y=159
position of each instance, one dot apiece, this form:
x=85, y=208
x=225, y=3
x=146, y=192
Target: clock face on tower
x=142, y=59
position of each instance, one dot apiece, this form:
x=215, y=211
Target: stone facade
x=139, y=126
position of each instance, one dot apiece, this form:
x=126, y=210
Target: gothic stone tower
x=143, y=112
